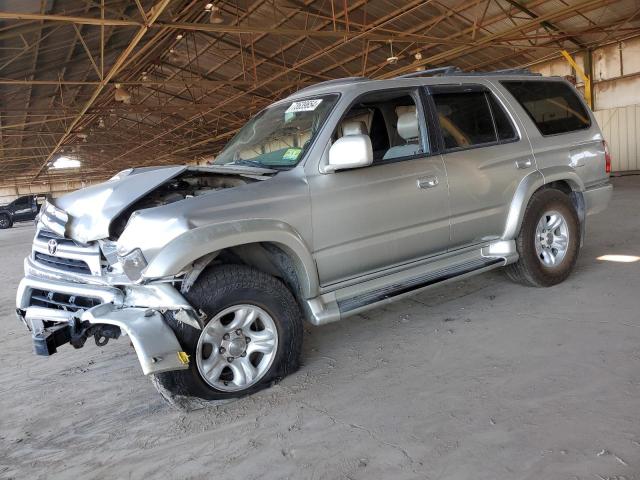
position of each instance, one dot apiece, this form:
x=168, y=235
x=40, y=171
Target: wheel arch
x=269, y=245
x=564, y=179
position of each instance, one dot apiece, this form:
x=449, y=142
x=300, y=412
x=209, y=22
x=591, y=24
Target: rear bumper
x=597, y=198
x=136, y=310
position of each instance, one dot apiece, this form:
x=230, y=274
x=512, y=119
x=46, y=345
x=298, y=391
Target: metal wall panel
x=620, y=128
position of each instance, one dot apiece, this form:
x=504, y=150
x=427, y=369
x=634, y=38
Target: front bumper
x=138, y=311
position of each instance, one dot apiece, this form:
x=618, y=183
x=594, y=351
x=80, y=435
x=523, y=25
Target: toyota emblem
x=53, y=246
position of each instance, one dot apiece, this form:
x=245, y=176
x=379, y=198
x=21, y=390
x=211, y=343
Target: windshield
x=278, y=136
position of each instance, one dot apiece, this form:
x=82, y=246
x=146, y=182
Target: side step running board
x=416, y=283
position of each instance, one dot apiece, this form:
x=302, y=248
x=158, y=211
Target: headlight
x=133, y=263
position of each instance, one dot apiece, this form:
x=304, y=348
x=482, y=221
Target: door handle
x=428, y=182
x=523, y=163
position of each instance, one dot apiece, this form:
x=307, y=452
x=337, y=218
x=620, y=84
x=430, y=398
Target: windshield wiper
x=254, y=163
x=248, y=163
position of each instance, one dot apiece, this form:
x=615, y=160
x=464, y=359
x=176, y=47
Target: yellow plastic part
x=183, y=357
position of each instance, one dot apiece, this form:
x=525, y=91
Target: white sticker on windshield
x=304, y=106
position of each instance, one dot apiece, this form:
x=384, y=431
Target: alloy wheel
x=237, y=348
x=552, y=238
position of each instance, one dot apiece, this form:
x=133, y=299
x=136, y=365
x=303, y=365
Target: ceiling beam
x=152, y=16
x=48, y=17
x=233, y=29
x=486, y=40
x=177, y=83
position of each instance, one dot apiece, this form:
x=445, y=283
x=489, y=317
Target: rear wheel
x=5, y=221
x=548, y=242
x=251, y=338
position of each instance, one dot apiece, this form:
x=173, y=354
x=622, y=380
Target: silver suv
x=339, y=198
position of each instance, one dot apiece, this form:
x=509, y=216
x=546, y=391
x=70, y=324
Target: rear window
x=553, y=106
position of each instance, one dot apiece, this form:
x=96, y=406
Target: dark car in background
x=22, y=209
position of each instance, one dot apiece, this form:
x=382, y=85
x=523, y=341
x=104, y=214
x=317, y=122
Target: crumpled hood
x=86, y=215
x=92, y=209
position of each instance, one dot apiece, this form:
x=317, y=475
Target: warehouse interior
x=478, y=379
x=187, y=83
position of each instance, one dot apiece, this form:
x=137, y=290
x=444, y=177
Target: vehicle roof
x=343, y=85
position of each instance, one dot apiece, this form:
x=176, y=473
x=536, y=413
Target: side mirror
x=350, y=151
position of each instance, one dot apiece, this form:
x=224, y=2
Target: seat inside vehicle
x=390, y=120
x=354, y=127
x=408, y=129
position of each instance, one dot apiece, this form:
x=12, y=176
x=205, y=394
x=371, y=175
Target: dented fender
x=185, y=249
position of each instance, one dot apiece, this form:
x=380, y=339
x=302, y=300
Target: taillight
x=607, y=157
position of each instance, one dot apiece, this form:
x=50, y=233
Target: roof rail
x=443, y=71
x=455, y=71
x=506, y=71
x=333, y=82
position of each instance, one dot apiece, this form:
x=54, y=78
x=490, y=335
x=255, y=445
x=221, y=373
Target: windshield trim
x=303, y=158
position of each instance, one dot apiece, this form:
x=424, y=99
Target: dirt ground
x=481, y=379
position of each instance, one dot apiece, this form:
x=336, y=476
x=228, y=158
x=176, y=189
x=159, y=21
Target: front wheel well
x=264, y=256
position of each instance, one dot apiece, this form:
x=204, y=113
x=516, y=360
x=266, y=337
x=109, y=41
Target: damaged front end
x=77, y=284
x=63, y=311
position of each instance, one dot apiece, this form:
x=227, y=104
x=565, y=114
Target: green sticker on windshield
x=291, y=154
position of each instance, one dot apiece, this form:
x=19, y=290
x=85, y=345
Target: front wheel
x=548, y=242
x=5, y=221
x=251, y=338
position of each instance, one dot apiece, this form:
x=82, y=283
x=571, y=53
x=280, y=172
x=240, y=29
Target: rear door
x=486, y=155
x=390, y=213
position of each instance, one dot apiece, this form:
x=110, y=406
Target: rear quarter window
x=553, y=106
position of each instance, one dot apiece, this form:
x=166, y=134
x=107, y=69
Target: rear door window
x=465, y=119
x=553, y=106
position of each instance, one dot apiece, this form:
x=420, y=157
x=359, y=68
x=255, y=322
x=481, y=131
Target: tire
x=236, y=290
x=540, y=265
x=5, y=221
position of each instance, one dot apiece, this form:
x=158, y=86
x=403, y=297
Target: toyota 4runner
x=346, y=195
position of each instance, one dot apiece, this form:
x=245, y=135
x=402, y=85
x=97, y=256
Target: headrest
x=353, y=127
x=408, y=125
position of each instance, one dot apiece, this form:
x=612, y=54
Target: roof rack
x=455, y=71
x=333, y=82
x=432, y=72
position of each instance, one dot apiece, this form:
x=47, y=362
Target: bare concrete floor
x=482, y=379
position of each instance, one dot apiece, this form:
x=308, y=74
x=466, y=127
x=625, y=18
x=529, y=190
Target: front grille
x=62, y=301
x=46, y=235
x=67, y=264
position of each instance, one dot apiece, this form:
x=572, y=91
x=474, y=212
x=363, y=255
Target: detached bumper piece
x=155, y=343
x=47, y=341
x=59, y=312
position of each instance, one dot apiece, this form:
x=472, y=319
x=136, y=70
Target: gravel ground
x=481, y=379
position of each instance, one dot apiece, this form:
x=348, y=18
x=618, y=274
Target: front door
x=485, y=157
x=390, y=213
x=23, y=209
